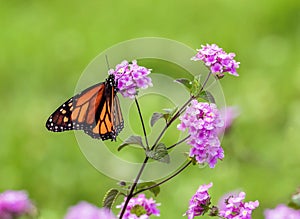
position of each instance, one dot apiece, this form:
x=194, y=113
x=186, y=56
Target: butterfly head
x=112, y=82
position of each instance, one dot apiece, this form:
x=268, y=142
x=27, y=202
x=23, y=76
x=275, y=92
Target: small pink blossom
x=88, y=211
x=235, y=208
x=140, y=208
x=222, y=200
x=282, y=212
x=14, y=204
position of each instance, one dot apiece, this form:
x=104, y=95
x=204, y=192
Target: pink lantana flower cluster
x=131, y=77
x=15, y=204
x=199, y=203
x=235, y=207
x=282, y=212
x=140, y=208
x=203, y=120
x=217, y=60
x=88, y=211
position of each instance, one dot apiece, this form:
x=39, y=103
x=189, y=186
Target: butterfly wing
x=91, y=111
x=108, y=116
x=117, y=116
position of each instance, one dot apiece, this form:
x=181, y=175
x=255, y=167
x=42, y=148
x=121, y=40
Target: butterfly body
x=96, y=111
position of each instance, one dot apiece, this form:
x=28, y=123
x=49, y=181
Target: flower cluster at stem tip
x=131, y=77
x=235, y=207
x=199, y=202
x=282, y=212
x=203, y=121
x=217, y=60
x=140, y=208
x=88, y=211
x=15, y=204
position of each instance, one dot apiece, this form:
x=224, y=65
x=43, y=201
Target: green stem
x=205, y=82
x=179, y=142
x=142, y=121
x=130, y=195
x=165, y=180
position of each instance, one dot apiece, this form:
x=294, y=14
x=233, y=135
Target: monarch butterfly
x=96, y=111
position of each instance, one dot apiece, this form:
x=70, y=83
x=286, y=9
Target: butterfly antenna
x=107, y=63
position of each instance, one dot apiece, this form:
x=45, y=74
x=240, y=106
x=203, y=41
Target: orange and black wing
x=118, y=121
x=92, y=111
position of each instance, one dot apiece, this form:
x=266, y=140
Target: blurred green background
x=45, y=46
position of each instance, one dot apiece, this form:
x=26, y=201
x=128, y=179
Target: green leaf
x=196, y=86
x=186, y=82
x=155, y=117
x=133, y=139
x=160, y=153
x=167, y=115
x=171, y=112
x=110, y=198
x=155, y=190
x=168, y=110
x=206, y=95
x=295, y=201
